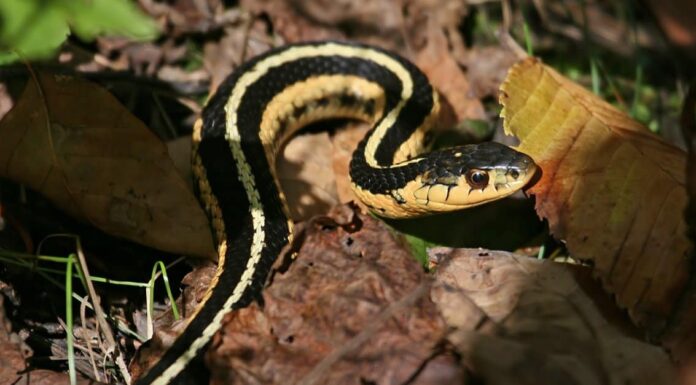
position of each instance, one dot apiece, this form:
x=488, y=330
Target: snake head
x=470, y=175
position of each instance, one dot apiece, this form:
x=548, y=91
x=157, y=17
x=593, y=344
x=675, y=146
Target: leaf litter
x=352, y=305
x=426, y=29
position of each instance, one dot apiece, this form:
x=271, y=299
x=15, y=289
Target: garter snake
x=267, y=99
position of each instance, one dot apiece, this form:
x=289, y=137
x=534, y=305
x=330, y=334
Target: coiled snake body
x=265, y=101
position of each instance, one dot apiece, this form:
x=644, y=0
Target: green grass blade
x=165, y=278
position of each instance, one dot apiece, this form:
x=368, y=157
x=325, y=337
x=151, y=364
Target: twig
x=85, y=337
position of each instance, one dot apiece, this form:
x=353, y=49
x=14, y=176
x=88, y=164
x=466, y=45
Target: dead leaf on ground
x=680, y=338
x=518, y=320
x=306, y=176
x=425, y=31
x=433, y=34
x=73, y=142
x=611, y=189
x=12, y=359
x=295, y=21
x=486, y=69
x=351, y=308
x=239, y=43
x=344, y=143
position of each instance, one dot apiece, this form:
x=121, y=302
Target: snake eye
x=477, y=178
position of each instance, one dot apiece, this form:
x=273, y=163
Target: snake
x=392, y=171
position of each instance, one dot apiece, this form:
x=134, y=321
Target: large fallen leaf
x=73, y=142
x=680, y=338
x=351, y=308
x=613, y=191
x=518, y=320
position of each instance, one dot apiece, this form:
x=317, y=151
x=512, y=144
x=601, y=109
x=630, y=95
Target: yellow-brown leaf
x=613, y=191
x=73, y=142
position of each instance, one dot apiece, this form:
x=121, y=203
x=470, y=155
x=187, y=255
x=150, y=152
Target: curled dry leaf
x=351, y=308
x=613, y=191
x=73, y=142
x=517, y=320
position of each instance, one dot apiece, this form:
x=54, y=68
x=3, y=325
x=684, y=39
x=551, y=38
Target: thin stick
x=85, y=337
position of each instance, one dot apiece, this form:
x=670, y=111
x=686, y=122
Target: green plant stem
x=165, y=278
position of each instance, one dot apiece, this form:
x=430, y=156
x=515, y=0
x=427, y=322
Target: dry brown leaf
x=306, y=176
x=611, y=189
x=680, y=338
x=437, y=21
x=288, y=22
x=12, y=359
x=73, y=142
x=426, y=30
x=344, y=143
x=486, y=68
x=351, y=308
x=517, y=320
x=179, y=151
x=238, y=43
